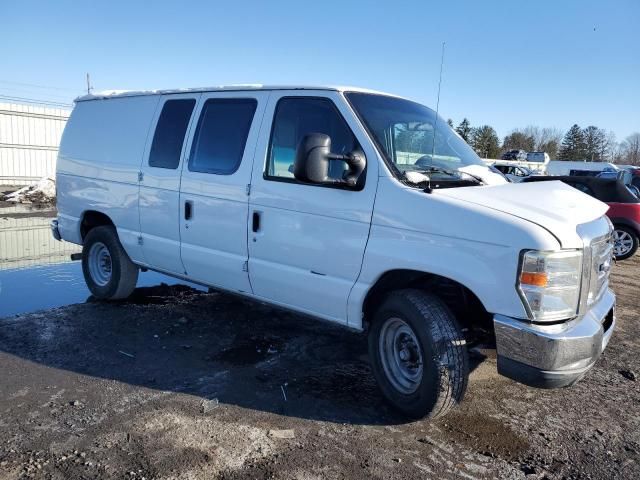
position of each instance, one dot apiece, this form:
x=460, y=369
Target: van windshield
x=405, y=132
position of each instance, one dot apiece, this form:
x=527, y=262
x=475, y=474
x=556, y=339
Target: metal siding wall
x=29, y=140
x=28, y=241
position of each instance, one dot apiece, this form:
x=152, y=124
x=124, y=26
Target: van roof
x=220, y=88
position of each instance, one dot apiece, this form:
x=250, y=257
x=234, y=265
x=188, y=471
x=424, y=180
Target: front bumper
x=55, y=231
x=551, y=356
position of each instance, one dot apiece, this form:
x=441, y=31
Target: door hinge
x=140, y=176
x=248, y=189
x=245, y=267
x=140, y=241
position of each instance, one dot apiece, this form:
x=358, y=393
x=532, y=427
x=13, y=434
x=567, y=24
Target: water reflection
x=27, y=241
x=36, y=271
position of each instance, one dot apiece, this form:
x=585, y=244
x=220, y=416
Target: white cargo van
x=538, y=157
x=351, y=206
x=566, y=167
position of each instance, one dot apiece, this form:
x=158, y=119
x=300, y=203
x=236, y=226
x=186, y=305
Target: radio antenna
x=435, y=125
x=89, y=87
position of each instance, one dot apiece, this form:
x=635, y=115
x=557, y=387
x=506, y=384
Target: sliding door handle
x=188, y=210
x=256, y=222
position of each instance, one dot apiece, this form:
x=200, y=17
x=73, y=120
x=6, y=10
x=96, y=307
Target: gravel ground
x=179, y=384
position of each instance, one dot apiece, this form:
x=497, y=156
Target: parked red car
x=635, y=177
x=624, y=207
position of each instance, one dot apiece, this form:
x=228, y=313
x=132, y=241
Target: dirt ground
x=186, y=385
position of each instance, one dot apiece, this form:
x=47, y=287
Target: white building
x=29, y=139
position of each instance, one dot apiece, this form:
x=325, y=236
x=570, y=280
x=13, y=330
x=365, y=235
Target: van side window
x=221, y=135
x=170, y=131
x=296, y=117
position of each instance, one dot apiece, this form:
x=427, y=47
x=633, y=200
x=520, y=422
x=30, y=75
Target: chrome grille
x=597, y=260
x=600, y=268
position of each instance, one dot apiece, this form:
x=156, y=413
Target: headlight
x=549, y=283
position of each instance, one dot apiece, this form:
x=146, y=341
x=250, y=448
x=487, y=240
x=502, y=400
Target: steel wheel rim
x=622, y=242
x=401, y=355
x=100, y=265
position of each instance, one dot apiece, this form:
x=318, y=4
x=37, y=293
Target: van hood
x=553, y=205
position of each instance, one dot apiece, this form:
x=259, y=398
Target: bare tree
x=609, y=147
x=631, y=149
x=542, y=139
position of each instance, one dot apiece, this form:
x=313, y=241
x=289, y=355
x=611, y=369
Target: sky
x=507, y=64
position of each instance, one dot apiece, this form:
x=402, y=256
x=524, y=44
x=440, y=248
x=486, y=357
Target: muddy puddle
x=36, y=271
x=486, y=435
x=249, y=352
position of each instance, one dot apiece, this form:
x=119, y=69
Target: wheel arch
x=91, y=219
x=463, y=302
x=626, y=223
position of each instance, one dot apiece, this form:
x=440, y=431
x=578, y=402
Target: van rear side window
x=170, y=131
x=223, y=127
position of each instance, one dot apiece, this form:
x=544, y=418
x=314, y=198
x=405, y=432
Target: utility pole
x=89, y=87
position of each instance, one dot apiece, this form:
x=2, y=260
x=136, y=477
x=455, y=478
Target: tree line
x=590, y=143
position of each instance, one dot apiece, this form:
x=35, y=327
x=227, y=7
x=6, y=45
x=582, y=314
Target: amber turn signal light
x=537, y=279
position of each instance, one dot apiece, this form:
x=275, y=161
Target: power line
x=36, y=101
x=7, y=82
x=19, y=91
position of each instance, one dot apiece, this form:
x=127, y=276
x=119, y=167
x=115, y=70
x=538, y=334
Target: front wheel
x=418, y=354
x=108, y=271
x=625, y=242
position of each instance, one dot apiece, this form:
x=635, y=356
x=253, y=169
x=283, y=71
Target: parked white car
x=514, y=173
x=351, y=206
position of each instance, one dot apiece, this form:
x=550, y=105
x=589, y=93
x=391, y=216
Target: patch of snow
x=44, y=191
x=416, y=177
x=233, y=87
x=134, y=93
x=487, y=176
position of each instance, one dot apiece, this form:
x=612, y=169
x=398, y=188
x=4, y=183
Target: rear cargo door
x=214, y=189
x=159, y=181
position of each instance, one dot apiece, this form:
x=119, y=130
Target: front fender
x=489, y=271
x=468, y=243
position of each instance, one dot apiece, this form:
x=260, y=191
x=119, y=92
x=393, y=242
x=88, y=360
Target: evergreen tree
x=450, y=122
x=519, y=141
x=595, y=141
x=465, y=130
x=486, y=142
x=572, y=147
x=551, y=147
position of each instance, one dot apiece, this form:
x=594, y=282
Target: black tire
x=124, y=273
x=634, y=239
x=445, y=361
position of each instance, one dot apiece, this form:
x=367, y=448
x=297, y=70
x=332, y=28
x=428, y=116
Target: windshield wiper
x=453, y=173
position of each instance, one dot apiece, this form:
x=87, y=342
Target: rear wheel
x=108, y=271
x=625, y=242
x=418, y=354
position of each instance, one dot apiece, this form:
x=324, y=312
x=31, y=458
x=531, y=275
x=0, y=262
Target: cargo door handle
x=256, y=222
x=188, y=210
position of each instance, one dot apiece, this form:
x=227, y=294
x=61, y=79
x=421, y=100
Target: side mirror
x=313, y=155
x=311, y=164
